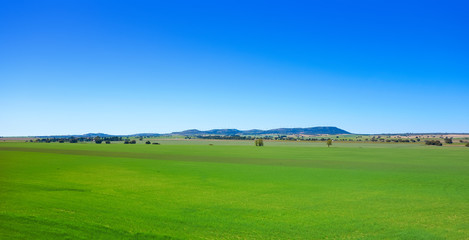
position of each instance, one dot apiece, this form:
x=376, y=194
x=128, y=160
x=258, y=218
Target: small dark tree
x=259, y=142
x=147, y=142
x=467, y=144
x=108, y=142
x=126, y=141
x=329, y=142
x=448, y=140
x=98, y=141
x=133, y=142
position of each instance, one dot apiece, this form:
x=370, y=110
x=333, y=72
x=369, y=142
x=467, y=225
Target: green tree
x=329, y=142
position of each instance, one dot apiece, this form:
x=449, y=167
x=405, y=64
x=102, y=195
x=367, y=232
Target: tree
x=467, y=144
x=147, y=142
x=133, y=142
x=108, y=142
x=448, y=140
x=329, y=142
x=259, y=142
x=98, y=141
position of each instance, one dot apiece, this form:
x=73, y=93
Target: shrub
x=147, y=142
x=448, y=140
x=73, y=141
x=259, y=142
x=108, y=142
x=99, y=141
x=61, y=141
x=133, y=142
x=156, y=143
x=467, y=144
x=433, y=142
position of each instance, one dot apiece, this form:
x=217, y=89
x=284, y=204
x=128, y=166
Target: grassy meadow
x=233, y=190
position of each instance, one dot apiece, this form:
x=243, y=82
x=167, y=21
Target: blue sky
x=122, y=67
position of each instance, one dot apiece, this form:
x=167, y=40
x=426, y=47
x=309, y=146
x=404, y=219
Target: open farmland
x=233, y=190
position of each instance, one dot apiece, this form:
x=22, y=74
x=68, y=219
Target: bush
x=61, y=141
x=448, y=140
x=108, y=142
x=99, y=141
x=259, y=142
x=73, y=141
x=433, y=142
x=133, y=142
x=147, y=142
x=467, y=144
x=155, y=143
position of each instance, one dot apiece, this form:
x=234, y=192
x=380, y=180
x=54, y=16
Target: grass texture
x=232, y=190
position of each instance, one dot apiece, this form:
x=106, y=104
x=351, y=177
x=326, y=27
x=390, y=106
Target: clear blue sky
x=122, y=67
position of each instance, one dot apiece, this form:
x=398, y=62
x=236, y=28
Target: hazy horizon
x=157, y=67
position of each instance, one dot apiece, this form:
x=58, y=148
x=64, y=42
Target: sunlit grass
x=233, y=190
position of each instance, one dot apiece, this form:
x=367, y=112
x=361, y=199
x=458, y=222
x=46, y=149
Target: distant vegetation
x=433, y=142
x=259, y=142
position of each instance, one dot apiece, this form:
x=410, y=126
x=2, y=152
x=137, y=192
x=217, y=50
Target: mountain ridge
x=280, y=131
x=226, y=131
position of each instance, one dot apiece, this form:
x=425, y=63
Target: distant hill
x=280, y=131
x=226, y=132
x=209, y=132
x=92, y=135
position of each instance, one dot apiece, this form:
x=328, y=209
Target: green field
x=233, y=190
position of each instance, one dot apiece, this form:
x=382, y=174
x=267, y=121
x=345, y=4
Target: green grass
x=233, y=190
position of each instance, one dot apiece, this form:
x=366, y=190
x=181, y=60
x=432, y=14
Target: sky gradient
x=124, y=67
